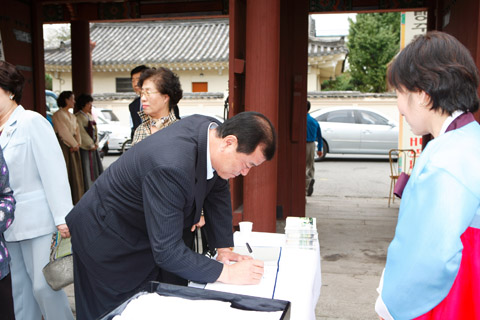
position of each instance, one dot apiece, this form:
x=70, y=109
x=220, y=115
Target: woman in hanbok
x=68, y=133
x=433, y=263
x=91, y=162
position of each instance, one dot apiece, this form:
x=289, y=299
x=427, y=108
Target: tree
x=48, y=81
x=342, y=83
x=373, y=40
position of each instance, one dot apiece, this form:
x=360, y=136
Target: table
x=291, y=273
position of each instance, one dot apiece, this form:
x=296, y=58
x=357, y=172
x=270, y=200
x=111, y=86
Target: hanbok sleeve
x=62, y=127
x=424, y=256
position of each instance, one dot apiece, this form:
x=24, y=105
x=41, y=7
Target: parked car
x=119, y=133
x=51, y=102
x=352, y=130
x=109, y=115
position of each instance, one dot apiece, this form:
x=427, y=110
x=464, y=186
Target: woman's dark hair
x=440, y=65
x=251, y=129
x=11, y=80
x=82, y=101
x=167, y=83
x=63, y=97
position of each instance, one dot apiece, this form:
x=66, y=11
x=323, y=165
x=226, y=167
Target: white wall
x=104, y=82
x=387, y=106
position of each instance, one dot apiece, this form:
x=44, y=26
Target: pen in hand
x=250, y=250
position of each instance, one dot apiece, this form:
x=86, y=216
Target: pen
x=250, y=250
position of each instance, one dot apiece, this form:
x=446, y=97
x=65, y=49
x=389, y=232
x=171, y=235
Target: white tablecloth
x=298, y=278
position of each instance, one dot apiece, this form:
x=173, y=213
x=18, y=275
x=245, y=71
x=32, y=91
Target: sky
x=332, y=24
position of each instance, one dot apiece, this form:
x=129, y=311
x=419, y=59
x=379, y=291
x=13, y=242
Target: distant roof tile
x=178, y=42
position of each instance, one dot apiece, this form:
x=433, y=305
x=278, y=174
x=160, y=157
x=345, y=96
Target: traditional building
x=197, y=50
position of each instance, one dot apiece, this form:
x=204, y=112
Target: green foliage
x=48, y=82
x=373, y=40
x=342, y=83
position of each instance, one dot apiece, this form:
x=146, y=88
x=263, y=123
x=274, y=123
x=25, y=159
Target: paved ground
x=355, y=227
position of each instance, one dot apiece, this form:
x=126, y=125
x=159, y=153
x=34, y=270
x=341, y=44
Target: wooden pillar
x=268, y=74
x=38, y=60
x=254, y=70
x=236, y=87
x=261, y=94
x=292, y=108
x=81, y=57
x=464, y=13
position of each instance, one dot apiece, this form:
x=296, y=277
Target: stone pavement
x=354, y=235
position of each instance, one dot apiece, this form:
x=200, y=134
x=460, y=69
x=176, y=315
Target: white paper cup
x=245, y=227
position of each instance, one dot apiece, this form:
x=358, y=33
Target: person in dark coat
x=135, y=106
x=130, y=223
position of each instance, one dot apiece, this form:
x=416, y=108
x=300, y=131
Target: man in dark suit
x=130, y=223
x=135, y=105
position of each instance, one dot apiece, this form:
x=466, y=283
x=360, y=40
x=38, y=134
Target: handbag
x=59, y=271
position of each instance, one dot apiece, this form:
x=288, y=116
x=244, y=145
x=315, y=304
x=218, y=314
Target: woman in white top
x=39, y=181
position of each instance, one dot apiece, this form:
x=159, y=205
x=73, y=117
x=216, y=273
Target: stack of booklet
x=301, y=232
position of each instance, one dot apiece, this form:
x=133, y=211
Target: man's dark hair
x=440, y=65
x=137, y=69
x=251, y=129
x=11, y=80
x=308, y=105
x=63, y=97
x=81, y=101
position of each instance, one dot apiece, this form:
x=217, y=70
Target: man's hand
x=63, y=229
x=242, y=272
x=199, y=224
x=320, y=153
x=226, y=256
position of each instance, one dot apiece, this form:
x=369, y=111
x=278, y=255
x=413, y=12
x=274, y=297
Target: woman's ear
x=425, y=99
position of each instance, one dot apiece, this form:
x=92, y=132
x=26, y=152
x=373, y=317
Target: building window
x=123, y=85
x=199, y=86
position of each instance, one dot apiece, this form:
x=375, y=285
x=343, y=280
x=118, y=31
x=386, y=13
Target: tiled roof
x=177, y=44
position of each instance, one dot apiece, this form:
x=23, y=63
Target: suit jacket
x=132, y=219
x=38, y=175
x=134, y=107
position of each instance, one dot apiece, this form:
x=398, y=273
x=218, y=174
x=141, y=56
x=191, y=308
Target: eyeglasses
x=147, y=93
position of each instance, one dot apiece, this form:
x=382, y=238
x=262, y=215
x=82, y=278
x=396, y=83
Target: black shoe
x=310, y=187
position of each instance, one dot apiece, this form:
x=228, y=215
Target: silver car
x=350, y=130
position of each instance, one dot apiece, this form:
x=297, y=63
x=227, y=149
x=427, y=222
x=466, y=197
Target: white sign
x=413, y=23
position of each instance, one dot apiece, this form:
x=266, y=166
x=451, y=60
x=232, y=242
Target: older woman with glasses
x=161, y=91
